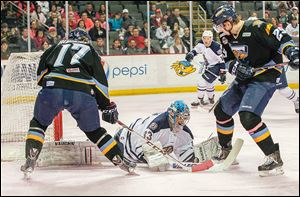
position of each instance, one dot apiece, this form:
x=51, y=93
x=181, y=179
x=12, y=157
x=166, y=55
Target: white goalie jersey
x=156, y=129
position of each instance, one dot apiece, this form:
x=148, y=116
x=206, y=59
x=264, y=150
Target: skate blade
x=274, y=172
x=27, y=175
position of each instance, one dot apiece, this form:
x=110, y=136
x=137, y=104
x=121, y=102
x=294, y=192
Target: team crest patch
x=153, y=126
x=183, y=68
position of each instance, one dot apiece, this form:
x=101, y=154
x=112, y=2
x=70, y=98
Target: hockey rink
x=243, y=179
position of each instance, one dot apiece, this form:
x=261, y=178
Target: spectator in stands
x=152, y=10
x=294, y=14
x=87, y=21
x=176, y=28
x=102, y=20
x=116, y=48
x=139, y=40
x=97, y=31
x=91, y=13
x=167, y=14
x=156, y=19
x=23, y=42
x=209, y=8
x=253, y=16
x=44, y=7
x=178, y=47
x=34, y=28
x=72, y=13
x=72, y=20
x=61, y=31
x=59, y=4
x=132, y=48
x=177, y=17
x=293, y=28
x=99, y=46
x=127, y=19
x=5, y=52
x=267, y=16
x=154, y=48
x=116, y=22
x=186, y=39
x=5, y=32
x=81, y=25
x=53, y=37
x=53, y=20
x=45, y=45
x=54, y=10
x=15, y=34
x=163, y=34
x=102, y=9
x=37, y=14
x=128, y=33
x=144, y=31
x=39, y=39
x=275, y=22
x=22, y=5
x=283, y=18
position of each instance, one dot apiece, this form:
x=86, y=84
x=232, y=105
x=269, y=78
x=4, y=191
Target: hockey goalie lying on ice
x=169, y=131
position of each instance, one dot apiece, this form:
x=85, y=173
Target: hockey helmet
x=207, y=33
x=79, y=35
x=179, y=115
x=222, y=14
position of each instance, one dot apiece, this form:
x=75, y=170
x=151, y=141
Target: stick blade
x=202, y=166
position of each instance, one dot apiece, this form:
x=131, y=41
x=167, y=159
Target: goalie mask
x=179, y=115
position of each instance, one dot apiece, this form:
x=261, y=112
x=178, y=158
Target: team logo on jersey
x=240, y=51
x=183, y=68
x=153, y=126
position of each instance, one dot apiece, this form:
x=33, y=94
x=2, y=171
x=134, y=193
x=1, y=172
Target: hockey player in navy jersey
x=214, y=67
x=168, y=130
x=73, y=78
x=251, y=45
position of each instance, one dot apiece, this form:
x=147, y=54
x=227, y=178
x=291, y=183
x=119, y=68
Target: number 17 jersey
x=74, y=65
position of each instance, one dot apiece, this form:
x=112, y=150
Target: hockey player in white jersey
x=168, y=130
x=214, y=67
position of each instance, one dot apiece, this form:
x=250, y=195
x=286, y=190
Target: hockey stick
x=194, y=168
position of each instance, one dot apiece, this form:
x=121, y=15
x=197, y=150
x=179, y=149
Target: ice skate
x=124, y=164
x=30, y=163
x=212, y=100
x=273, y=164
x=200, y=102
x=224, y=154
x=296, y=104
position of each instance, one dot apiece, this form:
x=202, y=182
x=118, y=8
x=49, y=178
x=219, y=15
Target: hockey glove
x=190, y=56
x=222, y=77
x=241, y=70
x=110, y=113
x=292, y=53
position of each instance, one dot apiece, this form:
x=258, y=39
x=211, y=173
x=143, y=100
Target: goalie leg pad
x=105, y=142
x=155, y=159
x=207, y=149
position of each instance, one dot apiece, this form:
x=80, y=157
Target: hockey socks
x=261, y=135
x=105, y=142
x=35, y=138
x=225, y=132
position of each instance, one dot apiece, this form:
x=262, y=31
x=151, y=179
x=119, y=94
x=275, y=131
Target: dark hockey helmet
x=222, y=14
x=79, y=34
x=179, y=115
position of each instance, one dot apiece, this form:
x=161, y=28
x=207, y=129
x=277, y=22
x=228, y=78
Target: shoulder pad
x=160, y=122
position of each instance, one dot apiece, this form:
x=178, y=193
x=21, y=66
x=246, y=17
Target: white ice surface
x=279, y=116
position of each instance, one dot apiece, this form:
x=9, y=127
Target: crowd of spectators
x=169, y=28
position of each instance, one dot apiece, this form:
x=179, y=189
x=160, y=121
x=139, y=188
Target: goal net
x=18, y=93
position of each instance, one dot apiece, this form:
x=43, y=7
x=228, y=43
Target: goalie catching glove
x=110, y=114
